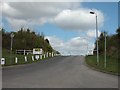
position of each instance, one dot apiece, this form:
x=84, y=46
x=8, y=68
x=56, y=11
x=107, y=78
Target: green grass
x=112, y=64
x=21, y=58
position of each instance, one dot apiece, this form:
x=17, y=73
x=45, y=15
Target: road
x=57, y=72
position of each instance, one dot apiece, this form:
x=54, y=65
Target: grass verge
x=10, y=60
x=111, y=65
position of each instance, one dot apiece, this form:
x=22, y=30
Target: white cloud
x=77, y=41
x=79, y=19
x=74, y=46
x=66, y=15
x=43, y=0
x=92, y=33
x=36, y=12
x=60, y=1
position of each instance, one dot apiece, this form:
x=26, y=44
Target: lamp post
x=96, y=36
x=12, y=35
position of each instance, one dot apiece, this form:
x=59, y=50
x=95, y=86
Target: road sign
x=2, y=61
x=37, y=51
x=37, y=57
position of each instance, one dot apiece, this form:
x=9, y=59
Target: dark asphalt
x=57, y=72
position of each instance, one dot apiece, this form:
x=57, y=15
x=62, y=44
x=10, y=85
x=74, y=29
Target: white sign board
x=37, y=51
x=2, y=61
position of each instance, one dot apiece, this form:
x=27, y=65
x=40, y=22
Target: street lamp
x=96, y=36
x=12, y=35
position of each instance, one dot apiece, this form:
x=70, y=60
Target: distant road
x=57, y=72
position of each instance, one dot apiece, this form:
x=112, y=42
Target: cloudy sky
x=69, y=26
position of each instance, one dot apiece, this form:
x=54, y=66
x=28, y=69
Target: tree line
x=112, y=44
x=26, y=39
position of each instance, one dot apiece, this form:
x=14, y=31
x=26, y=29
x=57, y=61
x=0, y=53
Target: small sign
x=2, y=61
x=37, y=57
x=37, y=51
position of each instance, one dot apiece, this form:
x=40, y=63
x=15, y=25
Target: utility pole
x=12, y=35
x=105, y=51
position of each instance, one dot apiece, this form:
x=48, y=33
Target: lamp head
x=92, y=12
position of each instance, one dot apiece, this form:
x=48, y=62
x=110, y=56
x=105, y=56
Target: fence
x=24, y=52
x=26, y=58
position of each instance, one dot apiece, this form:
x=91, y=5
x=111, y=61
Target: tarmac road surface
x=57, y=72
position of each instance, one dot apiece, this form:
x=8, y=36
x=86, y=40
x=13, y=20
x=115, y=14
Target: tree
x=42, y=35
x=28, y=30
x=101, y=43
x=118, y=44
x=26, y=39
x=47, y=41
x=118, y=32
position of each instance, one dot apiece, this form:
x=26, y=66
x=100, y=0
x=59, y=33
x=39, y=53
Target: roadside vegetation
x=111, y=66
x=24, y=39
x=112, y=53
x=21, y=58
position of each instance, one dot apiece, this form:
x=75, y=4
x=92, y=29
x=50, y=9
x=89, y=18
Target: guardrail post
x=32, y=58
x=52, y=54
x=40, y=56
x=25, y=59
x=47, y=54
x=44, y=55
x=16, y=60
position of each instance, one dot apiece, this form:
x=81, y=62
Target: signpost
x=12, y=35
x=37, y=52
x=36, y=57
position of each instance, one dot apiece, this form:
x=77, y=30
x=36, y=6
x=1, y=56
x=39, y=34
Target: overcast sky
x=69, y=26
